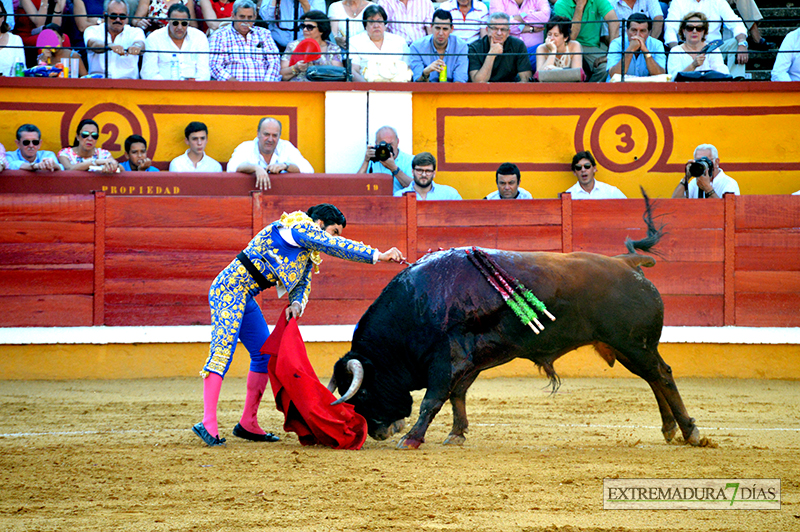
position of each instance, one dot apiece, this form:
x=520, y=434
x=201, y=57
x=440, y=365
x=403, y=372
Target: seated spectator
x=651, y=8
x=268, y=154
x=408, y=18
x=586, y=16
x=125, y=44
x=423, y=166
x=28, y=156
x=8, y=8
x=152, y=15
x=3, y=160
x=398, y=163
x=716, y=15
x=498, y=56
x=346, y=17
x=375, y=43
x=528, y=18
x=87, y=13
x=507, y=178
x=315, y=25
x=84, y=153
x=31, y=17
x=644, y=56
x=180, y=42
x=11, y=51
x=216, y=13
x=558, y=51
x=787, y=63
x=195, y=158
x=587, y=187
x=439, y=52
x=751, y=15
x=470, y=16
x=281, y=14
x=687, y=56
x=136, y=151
x=243, y=51
x=51, y=56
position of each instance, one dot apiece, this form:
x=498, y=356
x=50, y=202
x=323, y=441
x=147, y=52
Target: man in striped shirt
x=242, y=51
x=409, y=19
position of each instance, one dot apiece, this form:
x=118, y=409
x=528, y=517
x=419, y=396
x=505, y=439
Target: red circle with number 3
x=621, y=150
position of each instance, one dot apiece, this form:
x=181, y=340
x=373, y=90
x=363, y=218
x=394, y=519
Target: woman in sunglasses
x=316, y=26
x=688, y=57
x=84, y=153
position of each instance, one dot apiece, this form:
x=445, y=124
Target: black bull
x=439, y=323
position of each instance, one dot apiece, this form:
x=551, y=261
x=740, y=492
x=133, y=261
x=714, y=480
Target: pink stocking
x=211, y=388
x=256, y=384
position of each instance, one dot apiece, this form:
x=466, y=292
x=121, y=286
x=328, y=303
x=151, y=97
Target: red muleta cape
x=304, y=401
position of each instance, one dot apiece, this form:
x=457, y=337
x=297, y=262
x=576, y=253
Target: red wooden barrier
x=69, y=260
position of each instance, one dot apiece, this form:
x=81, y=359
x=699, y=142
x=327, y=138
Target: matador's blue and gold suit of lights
x=284, y=252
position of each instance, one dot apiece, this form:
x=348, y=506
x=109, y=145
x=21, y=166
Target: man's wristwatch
x=395, y=171
x=648, y=55
x=743, y=43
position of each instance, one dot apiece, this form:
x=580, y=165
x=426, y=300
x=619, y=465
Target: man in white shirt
x=718, y=13
x=125, y=44
x=268, y=154
x=584, y=167
x=177, y=42
x=787, y=64
x=195, y=158
x=710, y=182
x=507, y=178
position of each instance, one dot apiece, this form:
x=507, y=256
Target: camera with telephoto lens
x=700, y=166
x=383, y=151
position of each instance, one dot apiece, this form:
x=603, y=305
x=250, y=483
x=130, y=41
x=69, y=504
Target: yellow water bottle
x=443, y=74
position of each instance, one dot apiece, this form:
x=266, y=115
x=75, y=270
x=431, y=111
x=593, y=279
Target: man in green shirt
x=587, y=20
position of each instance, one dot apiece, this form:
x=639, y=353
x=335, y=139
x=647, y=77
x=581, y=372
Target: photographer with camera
x=710, y=181
x=385, y=157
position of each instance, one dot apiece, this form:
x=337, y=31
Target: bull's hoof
x=455, y=439
x=670, y=433
x=409, y=443
x=694, y=438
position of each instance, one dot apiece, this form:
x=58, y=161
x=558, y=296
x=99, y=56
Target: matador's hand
x=293, y=311
x=393, y=255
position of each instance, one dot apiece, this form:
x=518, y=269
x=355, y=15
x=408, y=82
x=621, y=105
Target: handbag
x=703, y=75
x=326, y=73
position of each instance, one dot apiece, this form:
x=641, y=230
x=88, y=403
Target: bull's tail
x=654, y=233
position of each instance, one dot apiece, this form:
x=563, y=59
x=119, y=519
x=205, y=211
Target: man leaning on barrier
x=440, y=55
x=28, y=156
x=125, y=44
x=507, y=178
x=499, y=56
x=180, y=43
x=243, y=51
x=268, y=154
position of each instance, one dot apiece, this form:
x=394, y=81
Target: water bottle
x=175, y=68
x=443, y=74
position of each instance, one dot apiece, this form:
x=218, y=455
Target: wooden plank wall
x=83, y=260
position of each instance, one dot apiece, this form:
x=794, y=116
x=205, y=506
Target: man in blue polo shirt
x=439, y=52
x=424, y=169
x=398, y=163
x=136, y=150
x=644, y=56
x=28, y=156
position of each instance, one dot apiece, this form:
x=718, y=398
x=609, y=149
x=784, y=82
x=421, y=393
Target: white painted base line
x=344, y=333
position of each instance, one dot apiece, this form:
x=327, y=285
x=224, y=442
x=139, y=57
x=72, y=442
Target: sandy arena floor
x=119, y=455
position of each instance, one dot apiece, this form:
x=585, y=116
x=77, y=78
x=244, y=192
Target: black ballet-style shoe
x=241, y=432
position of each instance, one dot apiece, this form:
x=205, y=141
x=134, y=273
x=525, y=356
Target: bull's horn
x=332, y=384
x=354, y=367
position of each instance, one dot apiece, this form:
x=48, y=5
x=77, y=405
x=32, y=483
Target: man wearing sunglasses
x=28, y=156
x=587, y=187
x=125, y=44
x=177, y=42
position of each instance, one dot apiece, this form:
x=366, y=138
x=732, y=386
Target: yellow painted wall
x=185, y=360
x=540, y=127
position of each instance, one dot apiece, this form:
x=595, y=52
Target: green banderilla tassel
x=537, y=304
x=521, y=314
x=530, y=314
